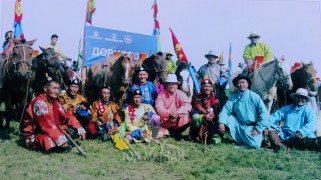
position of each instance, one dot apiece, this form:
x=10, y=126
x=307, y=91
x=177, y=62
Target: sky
x=291, y=28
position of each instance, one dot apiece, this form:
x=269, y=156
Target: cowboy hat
x=252, y=34
x=241, y=76
x=211, y=53
x=301, y=92
x=171, y=78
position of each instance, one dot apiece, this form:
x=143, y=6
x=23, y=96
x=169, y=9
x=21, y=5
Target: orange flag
x=178, y=49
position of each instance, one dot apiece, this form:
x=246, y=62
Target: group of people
x=149, y=115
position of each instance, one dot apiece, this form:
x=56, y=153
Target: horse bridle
x=23, y=57
x=282, y=77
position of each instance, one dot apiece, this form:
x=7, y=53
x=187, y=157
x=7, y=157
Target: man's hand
x=298, y=135
x=82, y=136
x=221, y=128
x=254, y=133
x=145, y=117
x=99, y=123
x=265, y=132
x=174, y=114
x=82, y=107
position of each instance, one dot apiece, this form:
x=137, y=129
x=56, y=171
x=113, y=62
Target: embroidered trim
x=101, y=106
x=131, y=110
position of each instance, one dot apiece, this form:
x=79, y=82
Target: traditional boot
x=275, y=140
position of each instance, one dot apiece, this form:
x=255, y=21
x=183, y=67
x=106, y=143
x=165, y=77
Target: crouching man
x=46, y=119
x=300, y=123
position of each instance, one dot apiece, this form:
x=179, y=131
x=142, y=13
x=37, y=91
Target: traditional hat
x=54, y=36
x=297, y=65
x=75, y=81
x=241, y=76
x=160, y=53
x=301, y=92
x=211, y=53
x=141, y=68
x=169, y=53
x=104, y=87
x=171, y=78
x=206, y=81
x=135, y=92
x=220, y=62
x=252, y=34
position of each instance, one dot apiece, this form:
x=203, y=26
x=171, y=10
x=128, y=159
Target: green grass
x=171, y=160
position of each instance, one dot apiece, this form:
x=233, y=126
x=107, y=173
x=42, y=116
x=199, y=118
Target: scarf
x=131, y=110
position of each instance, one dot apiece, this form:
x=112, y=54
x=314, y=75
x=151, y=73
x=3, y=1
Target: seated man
x=300, y=123
x=141, y=119
x=173, y=106
x=204, y=125
x=244, y=114
x=75, y=103
x=148, y=89
x=46, y=119
x=105, y=116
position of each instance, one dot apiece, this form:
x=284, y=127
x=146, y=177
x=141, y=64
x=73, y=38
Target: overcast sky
x=290, y=27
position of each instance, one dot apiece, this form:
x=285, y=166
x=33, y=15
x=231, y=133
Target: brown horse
x=155, y=65
x=116, y=74
x=16, y=80
x=303, y=77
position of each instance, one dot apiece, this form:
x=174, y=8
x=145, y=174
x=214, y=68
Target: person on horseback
x=75, y=103
x=45, y=120
x=105, y=116
x=53, y=44
x=7, y=43
x=244, y=114
x=148, y=89
x=204, y=124
x=256, y=52
x=300, y=123
x=173, y=106
x=170, y=66
x=139, y=119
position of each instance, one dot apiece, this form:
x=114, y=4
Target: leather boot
x=275, y=139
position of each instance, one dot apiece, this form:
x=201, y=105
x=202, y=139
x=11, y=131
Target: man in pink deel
x=173, y=106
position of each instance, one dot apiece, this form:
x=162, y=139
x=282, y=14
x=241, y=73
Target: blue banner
x=101, y=42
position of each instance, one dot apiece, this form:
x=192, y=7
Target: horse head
x=310, y=75
x=22, y=57
x=283, y=76
x=184, y=76
x=128, y=66
x=50, y=62
x=158, y=64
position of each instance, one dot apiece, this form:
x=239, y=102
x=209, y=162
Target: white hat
x=211, y=53
x=301, y=92
x=171, y=78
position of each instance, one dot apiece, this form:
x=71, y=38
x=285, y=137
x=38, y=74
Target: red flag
x=178, y=49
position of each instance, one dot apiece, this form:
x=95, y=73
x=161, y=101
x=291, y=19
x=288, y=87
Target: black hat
x=7, y=33
x=135, y=92
x=54, y=36
x=74, y=81
x=241, y=76
x=160, y=53
x=141, y=68
x=104, y=87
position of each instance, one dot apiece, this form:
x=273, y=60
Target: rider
x=170, y=66
x=256, y=51
x=53, y=44
x=7, y=43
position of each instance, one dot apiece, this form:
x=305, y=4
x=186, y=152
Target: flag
x=156, y=31
x=90, y=11
x=18, y=32
x=79, y=60
x=178, y=49
x=227, y=92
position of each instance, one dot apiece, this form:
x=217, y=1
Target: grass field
x=171, y=160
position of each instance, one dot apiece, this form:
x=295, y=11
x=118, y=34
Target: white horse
x=264, y=80
x=184, y=76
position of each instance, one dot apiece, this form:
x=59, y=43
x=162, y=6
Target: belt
x=251, y=124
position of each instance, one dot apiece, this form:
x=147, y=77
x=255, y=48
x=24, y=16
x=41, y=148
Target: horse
x=184, y=76
x=156, y=68
x=302, y=77
x=264, y=80
x=17, y=71
x=116, y=74
x=47, y=65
